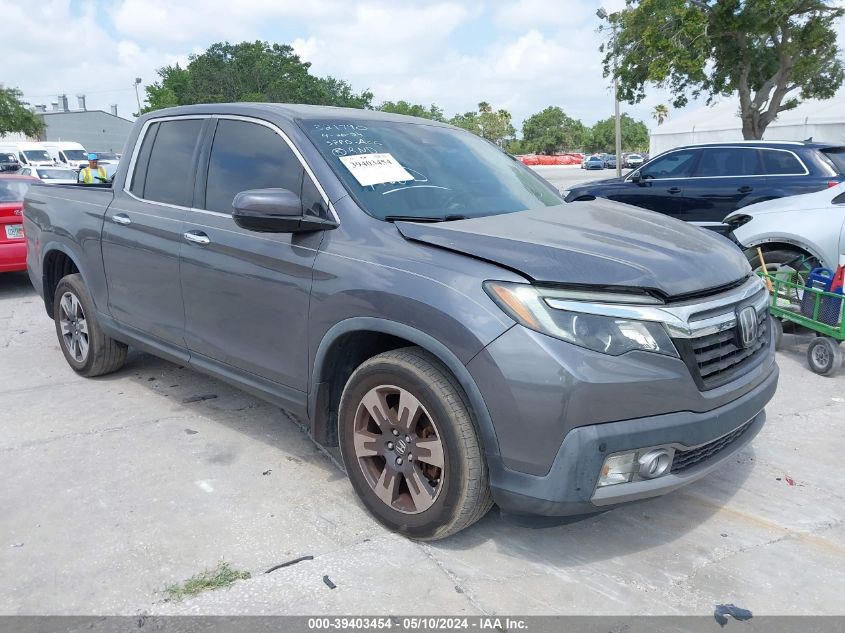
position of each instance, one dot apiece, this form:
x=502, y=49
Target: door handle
x=121, y=218
x=197, y=237
x=745, y=189
x=674, y=190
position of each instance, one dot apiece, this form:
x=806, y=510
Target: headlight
x=526, y=304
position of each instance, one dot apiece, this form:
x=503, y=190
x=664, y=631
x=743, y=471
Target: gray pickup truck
x=424, y=303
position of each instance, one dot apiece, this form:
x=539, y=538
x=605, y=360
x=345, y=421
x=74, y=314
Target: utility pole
x=601, y=13
x=137, y=98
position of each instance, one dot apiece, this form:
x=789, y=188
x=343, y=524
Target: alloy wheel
x=74, y=327
x=399, y=449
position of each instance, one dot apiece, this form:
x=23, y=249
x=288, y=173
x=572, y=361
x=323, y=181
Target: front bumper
x=569, y=488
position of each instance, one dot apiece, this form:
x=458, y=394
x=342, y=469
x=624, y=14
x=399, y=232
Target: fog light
x=618, y=469
x=654, y=463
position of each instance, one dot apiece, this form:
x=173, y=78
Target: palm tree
x=660, y=113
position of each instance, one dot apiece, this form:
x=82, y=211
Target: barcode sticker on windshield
x=375, y=169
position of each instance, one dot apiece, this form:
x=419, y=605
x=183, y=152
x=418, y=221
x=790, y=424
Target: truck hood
x=594, y=243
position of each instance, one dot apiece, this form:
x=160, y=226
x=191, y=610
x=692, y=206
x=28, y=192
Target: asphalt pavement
x=114, y=488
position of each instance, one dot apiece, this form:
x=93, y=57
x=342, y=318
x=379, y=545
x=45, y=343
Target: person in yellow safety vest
x=93, y=173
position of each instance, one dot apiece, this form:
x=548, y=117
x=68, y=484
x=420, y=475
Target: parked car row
x=66, y=154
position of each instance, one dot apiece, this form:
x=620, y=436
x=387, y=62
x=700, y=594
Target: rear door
x=722, y=179
x=142, y=232
x=246, y=293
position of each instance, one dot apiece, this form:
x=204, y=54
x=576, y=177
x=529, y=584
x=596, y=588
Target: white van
x=67, y=153
x=29, y=153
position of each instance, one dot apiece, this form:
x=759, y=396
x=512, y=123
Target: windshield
x=75, y=154
x=635, y=156
x=56, y=174
x=37, y=155
x=106, y=155
x=425, y=171
x=13, y=190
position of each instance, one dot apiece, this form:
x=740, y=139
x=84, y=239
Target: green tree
x=494, y=125
x=412, y=109
x=660, y=113
x=603, y=135
x=551, y=131
x=16, y=117
x=249, y=71
x=772, y=52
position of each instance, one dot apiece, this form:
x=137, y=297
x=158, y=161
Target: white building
x=822, y=120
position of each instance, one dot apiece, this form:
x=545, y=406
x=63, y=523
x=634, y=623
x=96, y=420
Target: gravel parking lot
x=114, y=488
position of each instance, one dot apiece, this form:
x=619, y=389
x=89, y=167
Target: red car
x=12, y=241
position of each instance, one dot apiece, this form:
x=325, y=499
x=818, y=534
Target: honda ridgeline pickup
x=425, y=304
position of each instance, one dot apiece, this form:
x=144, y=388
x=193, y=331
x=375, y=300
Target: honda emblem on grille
x=747, y=326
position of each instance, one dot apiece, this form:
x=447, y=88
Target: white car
x=796, y=232
x=51, y=175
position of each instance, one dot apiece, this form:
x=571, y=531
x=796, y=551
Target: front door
x=142, y=232
x=246, y=293
x=661, y=183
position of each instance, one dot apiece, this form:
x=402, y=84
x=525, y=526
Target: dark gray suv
x=425, y=304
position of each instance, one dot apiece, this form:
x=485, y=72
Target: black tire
x=800, y=262
x=460, y=489
x=824, y=356
x=777, y=325
x=103, y=354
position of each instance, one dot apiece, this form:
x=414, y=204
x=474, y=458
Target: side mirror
x=274, y=211
x=635, y=177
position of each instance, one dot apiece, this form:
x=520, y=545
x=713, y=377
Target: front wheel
x=824, y=356
x=86, y=347
x=410, y=446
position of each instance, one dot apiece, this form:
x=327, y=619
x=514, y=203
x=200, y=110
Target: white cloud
x=523, y=55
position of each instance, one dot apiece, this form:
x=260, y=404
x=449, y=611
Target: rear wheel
x=410, y=446
x=87, y=349
x=824, y=356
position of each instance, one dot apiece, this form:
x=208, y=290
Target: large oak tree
x=773, y=53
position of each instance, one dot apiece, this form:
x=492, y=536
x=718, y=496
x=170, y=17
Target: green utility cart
x=810, y=308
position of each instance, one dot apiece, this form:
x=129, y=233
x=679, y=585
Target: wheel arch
x=349, y=343
x=57, y=262
x=781, y=243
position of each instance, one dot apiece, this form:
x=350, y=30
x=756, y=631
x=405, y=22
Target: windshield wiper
x=411, y=218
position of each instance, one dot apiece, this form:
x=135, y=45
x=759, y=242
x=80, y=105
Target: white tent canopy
x=824, y=121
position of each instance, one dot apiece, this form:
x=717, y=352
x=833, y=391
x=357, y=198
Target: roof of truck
x=291, y=111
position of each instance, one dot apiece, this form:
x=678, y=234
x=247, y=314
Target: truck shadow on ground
x=14, y=285
x=579, y=541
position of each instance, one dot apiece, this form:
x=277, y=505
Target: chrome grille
x=716, y=358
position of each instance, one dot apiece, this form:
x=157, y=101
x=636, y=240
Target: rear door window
x=248, y=156
x=728, y=161
x=171, y=168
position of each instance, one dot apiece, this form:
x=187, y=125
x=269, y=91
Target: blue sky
x=522, y=55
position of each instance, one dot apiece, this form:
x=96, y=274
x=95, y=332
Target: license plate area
x=14, y=231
